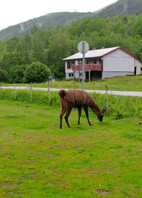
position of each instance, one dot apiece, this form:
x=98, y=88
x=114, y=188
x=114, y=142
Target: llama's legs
x=61, y=116
x=67, y=115
x=86, y=112
x=79, y=115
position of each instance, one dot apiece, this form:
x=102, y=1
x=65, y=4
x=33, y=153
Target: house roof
x=96, y=53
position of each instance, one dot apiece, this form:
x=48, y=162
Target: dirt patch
x=103, y=192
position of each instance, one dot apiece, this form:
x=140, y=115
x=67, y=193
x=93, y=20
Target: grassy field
x=124, y=83
x=40, y=160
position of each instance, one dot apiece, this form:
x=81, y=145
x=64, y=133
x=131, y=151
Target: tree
x=59, y=48
x=37, y=72
x=3, y=75
x=23, y=50
x=40, y=46
x=17, y=73
x=137, y=27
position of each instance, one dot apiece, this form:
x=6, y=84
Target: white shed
x=102, y=63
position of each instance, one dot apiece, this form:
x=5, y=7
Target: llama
x=77, y=99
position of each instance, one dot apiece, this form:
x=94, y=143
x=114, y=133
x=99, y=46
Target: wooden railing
x=87, y=67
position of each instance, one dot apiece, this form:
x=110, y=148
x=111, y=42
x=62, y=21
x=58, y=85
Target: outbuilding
x=103, y=63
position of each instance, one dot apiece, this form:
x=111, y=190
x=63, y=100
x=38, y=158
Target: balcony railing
x=87, y=67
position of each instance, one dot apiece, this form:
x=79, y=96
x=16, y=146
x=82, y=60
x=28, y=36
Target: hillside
x=44, y=22
x=65, y=18
x=122, y=7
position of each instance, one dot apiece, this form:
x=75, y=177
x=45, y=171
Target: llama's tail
x=62, y=93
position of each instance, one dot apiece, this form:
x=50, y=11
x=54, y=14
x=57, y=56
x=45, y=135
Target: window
x=141, y=68
x=73, y=62
x=100, y=61
x=94, y=61
x=70, y=75
x=79, y=62
x=87, y=61
x=68, y=65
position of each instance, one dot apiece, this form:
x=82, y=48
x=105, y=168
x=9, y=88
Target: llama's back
x=78, y=98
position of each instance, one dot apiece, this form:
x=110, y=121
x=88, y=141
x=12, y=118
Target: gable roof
x=97, y=53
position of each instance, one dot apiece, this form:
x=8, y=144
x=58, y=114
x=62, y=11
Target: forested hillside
x=43, y=23
x=53, y=20
x=122, y=7
x=51, y=46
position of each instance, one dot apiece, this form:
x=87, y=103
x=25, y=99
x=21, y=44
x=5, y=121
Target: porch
x=92, y=71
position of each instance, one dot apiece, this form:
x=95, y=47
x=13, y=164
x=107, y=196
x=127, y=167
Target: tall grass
x=119, y=106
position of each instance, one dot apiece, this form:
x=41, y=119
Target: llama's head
x=100, y=116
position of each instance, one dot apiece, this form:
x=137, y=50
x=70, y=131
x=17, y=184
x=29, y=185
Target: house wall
x=138, y=66
x=118, y=62
x=110, y=74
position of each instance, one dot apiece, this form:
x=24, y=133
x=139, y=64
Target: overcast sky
x=13, y=12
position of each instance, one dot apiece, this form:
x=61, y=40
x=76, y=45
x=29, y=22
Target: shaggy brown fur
x=77, y=99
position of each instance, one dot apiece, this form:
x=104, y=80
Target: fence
x=120, y=106
x=48, y=89
x=31, y=88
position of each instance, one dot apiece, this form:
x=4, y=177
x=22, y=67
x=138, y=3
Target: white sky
x=13, y=12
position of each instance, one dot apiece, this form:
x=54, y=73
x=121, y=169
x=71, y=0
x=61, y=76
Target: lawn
x=40, y=160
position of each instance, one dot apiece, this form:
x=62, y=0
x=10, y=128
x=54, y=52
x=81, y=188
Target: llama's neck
x=95, y=108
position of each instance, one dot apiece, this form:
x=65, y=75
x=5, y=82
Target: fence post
x=31, y=92
x=89, y=75
x=79, y=76
x=1, y=90
x=74, y=79
x=48, y=92
x=14, y=91
x=107, y=99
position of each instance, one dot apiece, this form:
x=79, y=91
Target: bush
x=37, y=72
x=3, y=75
x=17, y=73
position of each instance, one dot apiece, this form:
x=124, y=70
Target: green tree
x=37, y=72
x=23, y=50
x=17, y=73
x=40, y=46
x=137, y=27
x=3, y=75
x=59, y=48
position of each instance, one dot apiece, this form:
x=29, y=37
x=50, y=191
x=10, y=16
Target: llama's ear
x=62, y=93
x=103, y=110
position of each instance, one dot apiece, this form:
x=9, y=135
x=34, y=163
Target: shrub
x=17, y=73
x=37, y=72
x=3, y=75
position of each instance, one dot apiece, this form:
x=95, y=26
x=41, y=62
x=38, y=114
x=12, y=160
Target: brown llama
x=77, y=99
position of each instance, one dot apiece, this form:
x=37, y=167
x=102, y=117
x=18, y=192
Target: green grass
x=123, y=83
x=40, y=160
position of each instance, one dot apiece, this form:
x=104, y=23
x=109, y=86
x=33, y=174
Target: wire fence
x=32, y=96
x=48, y=89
